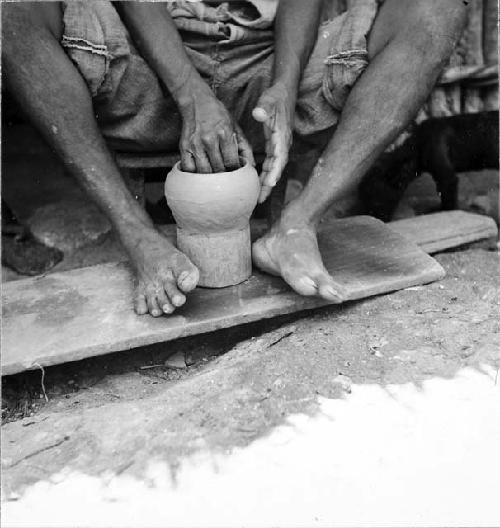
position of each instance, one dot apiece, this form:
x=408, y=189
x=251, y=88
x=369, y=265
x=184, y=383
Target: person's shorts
x=135, y=111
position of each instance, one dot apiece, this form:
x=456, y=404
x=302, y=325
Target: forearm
x=159, y=42
x=54, y=95
x=209, y=138
x=296, y=30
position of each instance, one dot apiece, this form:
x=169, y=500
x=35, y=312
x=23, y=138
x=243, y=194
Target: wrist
x=192, y=88
x=288, y=78
x=286, y=91
x=130, y=221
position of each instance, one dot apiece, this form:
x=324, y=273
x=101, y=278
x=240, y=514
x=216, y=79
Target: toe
x=163, y=302
x=140, y=304
x=175, y=296
x=152, y=303
x=329, y=289
x=302, y=284
x=188, y=279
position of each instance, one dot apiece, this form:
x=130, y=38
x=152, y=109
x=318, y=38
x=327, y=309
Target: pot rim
x=176, y=168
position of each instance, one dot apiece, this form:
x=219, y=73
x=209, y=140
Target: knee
x=434, y=28
x=22, y=19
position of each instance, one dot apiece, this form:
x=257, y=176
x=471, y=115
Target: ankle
x=134, y=235
x=295, y=216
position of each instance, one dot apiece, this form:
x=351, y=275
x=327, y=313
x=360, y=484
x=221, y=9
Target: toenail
x=307, y=281
x=156, y=313
x=178, y=300
x=183, y=275
x=334, y=293
x=167, y=308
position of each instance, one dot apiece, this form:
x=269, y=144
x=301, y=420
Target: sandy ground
x=385, y=411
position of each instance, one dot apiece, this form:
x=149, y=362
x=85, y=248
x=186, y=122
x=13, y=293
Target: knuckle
x=223, y=133
x=197, y=149
x=208, y=139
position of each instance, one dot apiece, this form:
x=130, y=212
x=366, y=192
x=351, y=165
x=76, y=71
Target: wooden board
x=447, y=229
x=87, y=312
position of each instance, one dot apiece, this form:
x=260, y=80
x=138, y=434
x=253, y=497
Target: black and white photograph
x=250, y=263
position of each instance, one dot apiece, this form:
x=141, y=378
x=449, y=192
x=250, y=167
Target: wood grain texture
x=223, y=259
x=87, y=312
x=447, y=229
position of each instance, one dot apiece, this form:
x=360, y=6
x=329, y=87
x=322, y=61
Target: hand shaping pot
x=212, y=212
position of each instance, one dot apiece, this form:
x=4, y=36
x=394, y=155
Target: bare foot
x=163, y=274
x=291, y=251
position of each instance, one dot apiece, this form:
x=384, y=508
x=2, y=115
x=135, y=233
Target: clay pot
x=212, y=212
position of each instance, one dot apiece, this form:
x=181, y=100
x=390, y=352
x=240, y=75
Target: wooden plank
x=87, y=312
x=447, y=229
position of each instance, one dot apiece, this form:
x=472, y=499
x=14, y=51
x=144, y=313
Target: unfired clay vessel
x=212, y=212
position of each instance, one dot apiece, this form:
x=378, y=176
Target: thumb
x=264, y=108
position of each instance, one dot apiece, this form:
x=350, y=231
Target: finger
x=260, y=114
x=265, y=191
x=270, y=161
x=211, y=144
x=269, y=146
x=244, y=147
x=201, y=159
x=266, y=167
x=266, y=105
x=187, y=161
x=229, y=149
x=276, y=169
x=278, y=161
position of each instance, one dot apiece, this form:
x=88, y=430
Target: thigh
x=131, y=108
x=46, y=14
x=339, y=57
x=421, y=21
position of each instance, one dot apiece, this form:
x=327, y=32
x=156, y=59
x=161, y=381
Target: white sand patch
x=390, y=456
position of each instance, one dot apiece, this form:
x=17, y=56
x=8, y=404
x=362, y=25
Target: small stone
x=176, y=361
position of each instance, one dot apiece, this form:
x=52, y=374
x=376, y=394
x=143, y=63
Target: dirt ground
x=111, y=414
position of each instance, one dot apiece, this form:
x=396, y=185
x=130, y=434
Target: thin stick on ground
x=42, y=381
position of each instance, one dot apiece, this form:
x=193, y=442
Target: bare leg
x=54, y=95
x=408, y=46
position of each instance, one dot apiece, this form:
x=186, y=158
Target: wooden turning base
x=223, y=259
